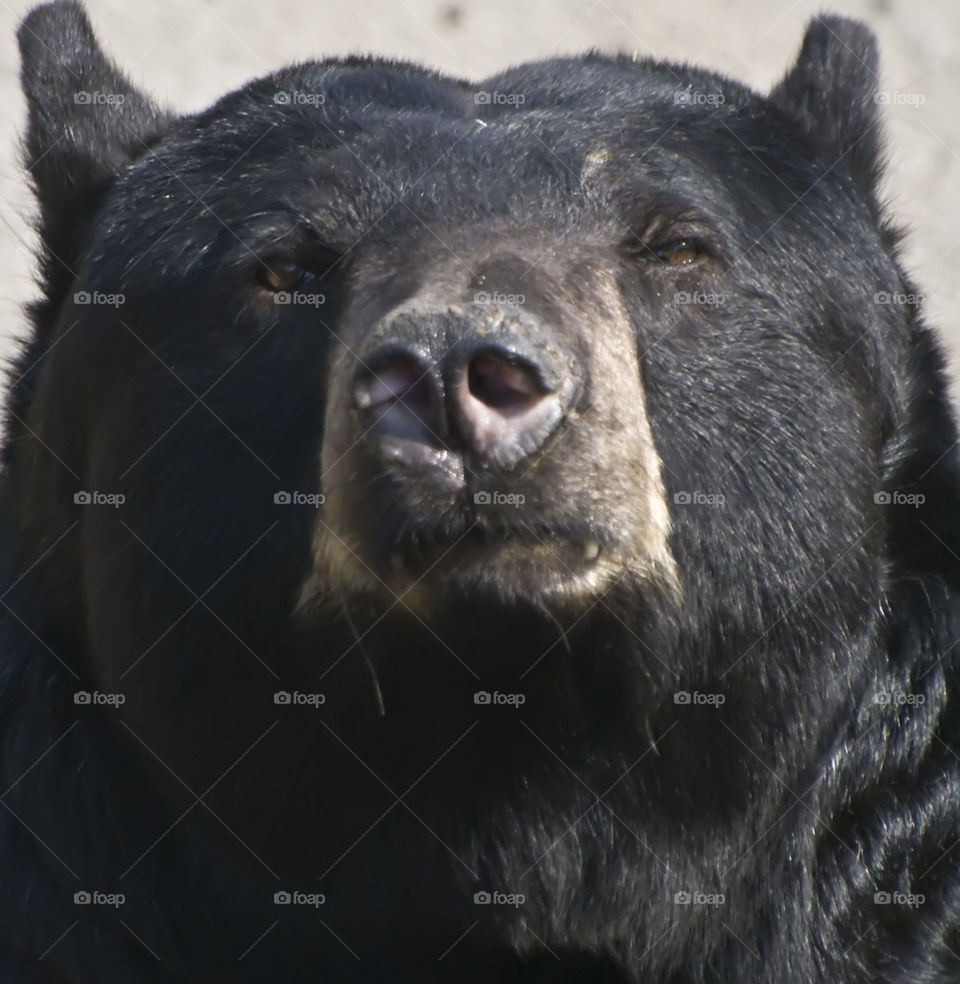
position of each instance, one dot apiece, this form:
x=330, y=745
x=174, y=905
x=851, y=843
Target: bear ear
x=85, y=122
x=833, y=89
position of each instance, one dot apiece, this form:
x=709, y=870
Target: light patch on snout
x=618, y=454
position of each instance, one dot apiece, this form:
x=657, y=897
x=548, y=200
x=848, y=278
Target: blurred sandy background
x=188, y=52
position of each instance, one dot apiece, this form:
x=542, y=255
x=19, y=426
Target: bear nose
x=492, y=402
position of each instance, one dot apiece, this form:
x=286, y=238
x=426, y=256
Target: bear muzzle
x=490, y=449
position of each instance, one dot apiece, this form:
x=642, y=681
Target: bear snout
x=487, y=390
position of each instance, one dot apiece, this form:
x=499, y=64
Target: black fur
x=825, y=618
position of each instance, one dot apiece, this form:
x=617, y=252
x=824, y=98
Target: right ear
x=832, y=89
x=85, y=123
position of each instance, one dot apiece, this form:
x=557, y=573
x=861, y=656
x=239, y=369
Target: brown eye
x=679, y=253
x=280, y=275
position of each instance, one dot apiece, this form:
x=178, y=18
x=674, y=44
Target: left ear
x=85, y=123
x=832, y=89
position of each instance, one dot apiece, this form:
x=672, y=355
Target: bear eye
x=681, y=252
x=279, y=274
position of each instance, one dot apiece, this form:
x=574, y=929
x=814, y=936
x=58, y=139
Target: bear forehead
x=537, y=118
x=350, y=141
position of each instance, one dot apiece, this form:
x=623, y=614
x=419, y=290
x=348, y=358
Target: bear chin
x=557, y=572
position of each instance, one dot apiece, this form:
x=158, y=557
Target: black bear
x=453, y=532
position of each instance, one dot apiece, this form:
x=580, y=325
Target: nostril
x=402, y=379
x=507, y=385
x=492, y=403
x=396, y=396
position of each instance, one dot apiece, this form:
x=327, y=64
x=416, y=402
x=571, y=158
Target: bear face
x=490, y=504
